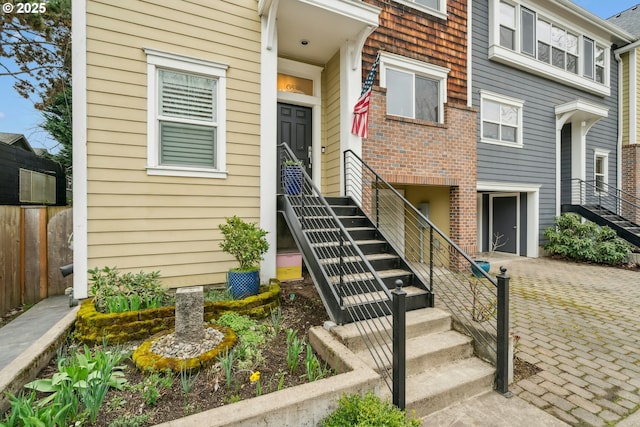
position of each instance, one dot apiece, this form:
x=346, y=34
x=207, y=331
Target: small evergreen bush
x=368, y=411
x=587, y=241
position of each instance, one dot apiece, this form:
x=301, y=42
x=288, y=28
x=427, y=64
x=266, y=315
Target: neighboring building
x=629, y=55
x=545, y=81
x=26, y=178
x=422, y=129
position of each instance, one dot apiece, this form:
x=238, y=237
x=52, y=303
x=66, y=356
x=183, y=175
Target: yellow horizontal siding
x=142, y=222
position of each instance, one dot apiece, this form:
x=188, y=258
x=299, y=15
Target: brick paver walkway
x=581, y=325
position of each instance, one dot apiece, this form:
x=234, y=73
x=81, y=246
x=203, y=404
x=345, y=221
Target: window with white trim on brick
x=433, y=7
x=415, y=89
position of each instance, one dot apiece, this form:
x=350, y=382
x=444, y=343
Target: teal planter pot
x=484, y=265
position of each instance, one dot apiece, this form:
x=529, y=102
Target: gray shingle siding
x=535, y=162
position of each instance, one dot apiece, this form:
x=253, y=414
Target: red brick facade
x=631, y=176
x=413, y=152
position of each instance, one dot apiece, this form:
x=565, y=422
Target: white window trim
x=441, y=12
x=402, y=63
x=527, y=63
x=502, y=99
x=604, y=154
x=163, y=60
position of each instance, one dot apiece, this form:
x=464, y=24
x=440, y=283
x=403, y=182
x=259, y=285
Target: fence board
x=59, y=229
x=32, y=258
x=9, y=258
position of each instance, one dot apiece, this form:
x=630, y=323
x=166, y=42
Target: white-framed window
x=433, y=7
x=501, y=119
x=601, y=170
x=415, y=89
x=545, y=45
x=186, y=119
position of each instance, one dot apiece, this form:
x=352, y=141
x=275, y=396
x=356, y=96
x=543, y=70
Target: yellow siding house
x=176, y=122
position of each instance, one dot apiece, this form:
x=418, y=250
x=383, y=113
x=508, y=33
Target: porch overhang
x=313, y=31
x=580, y=111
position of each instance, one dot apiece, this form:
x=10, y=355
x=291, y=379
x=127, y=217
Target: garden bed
x=92, y=327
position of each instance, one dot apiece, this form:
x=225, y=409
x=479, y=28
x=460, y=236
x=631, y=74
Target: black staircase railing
x=604, y=196
x=456, y=280
x=348, y=285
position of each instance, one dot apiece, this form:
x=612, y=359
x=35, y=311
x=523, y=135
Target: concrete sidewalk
x=27, y=328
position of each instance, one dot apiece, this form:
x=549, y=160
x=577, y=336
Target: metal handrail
x=319, y=225
x=457, y=281
x=605, y=196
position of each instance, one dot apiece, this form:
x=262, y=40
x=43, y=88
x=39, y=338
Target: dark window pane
x=600, y=74
x=509, y=134
x=427, y=101
x=572, y=64
x=490, y=130
x=429, y=3
x=507, y=38
x=528, y=32
x=588, y=58
x=557, y=57
x=543, y=52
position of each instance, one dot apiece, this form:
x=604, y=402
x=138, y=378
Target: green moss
x=146, y=360
x=92, y=326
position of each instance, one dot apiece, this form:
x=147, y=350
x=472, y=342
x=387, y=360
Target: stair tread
x=358, y=242
x=432, y=389
x=421, y=346
x=369, y=257
x=418, y=319
x=383, y=274
x=377, y=296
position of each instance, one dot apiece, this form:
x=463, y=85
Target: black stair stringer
x=589, y=214
x=327, y=292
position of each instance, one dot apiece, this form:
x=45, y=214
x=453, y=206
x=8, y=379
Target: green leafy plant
x=188, y=378
x=115, y=292
x=130, y=421
x=294, y=348
x=276, y=320
x=312, y=366
x=153, y=385
x=251, y=337
x=367, y=411
x=25, y=411
x=226, y=361
x=586, y=241
x=244, y=241
x=218, y=294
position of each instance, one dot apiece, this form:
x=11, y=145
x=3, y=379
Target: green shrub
x=245, y=241
x=585, y=241
x=368, y=411
x=115, y=292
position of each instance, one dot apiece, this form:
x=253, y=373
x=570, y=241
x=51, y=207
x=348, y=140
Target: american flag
x=360, y=125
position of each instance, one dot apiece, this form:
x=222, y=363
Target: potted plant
x=292, y=177
x=247, y=243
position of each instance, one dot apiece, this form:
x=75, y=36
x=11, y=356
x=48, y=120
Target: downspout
x=620, y=118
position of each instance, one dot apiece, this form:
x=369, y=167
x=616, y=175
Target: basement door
x=294, y=128
x=504, y=223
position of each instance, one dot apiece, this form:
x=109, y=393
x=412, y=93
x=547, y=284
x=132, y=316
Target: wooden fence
x=33, y=245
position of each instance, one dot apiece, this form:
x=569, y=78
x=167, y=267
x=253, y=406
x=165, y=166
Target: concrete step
x=418, y=323
x=438, y=388
x=425, y=352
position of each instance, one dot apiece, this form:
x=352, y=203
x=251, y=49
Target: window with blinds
x=187, y=119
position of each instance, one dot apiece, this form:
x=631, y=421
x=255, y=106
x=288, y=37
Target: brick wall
x=413, y=152
x=406, y=31
x=631, y=178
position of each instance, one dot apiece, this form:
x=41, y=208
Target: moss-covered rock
x=146, y=360
x=92, y=327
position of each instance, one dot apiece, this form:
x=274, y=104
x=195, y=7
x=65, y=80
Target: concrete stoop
x=441, y=369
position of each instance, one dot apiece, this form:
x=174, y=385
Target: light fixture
x=304, y=42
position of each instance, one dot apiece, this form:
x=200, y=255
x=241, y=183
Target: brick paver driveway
x=581, y=325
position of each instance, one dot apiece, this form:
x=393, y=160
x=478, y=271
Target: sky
x=18, y=115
